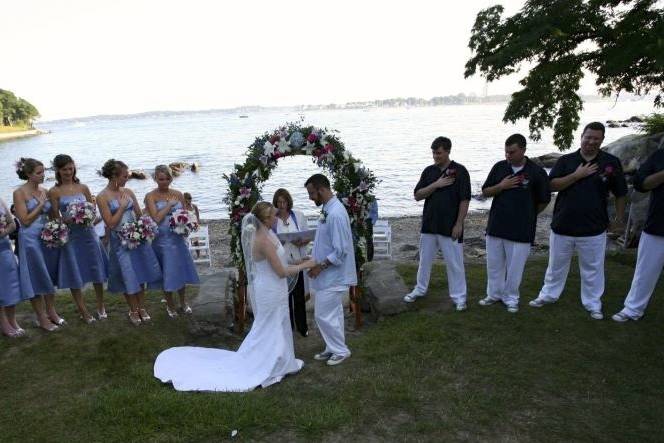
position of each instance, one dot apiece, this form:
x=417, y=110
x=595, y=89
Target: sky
x=73, y=58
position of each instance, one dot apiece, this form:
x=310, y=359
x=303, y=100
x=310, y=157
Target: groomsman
x=650, y=258
x=334, y=272
x=445, y=189
x=520, y=191
x=583, y=180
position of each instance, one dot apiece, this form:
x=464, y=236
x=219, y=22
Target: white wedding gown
x=265, y=356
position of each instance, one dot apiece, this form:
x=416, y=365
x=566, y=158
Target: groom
x=334, y=272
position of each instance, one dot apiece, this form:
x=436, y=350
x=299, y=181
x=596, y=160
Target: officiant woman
x=292, y=220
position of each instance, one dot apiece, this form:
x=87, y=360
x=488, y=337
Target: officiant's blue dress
x=172, y=251
x=10, y=287
x=38, y=264
x=128, y=269
x=82, y=259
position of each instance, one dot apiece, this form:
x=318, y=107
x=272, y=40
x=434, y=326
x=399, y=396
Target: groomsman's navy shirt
x=580, y=209
x=513, y=214
x=655, y=163
x=441, y=208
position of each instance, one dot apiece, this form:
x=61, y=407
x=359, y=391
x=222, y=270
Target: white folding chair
x=199, y=245
x=382, y=239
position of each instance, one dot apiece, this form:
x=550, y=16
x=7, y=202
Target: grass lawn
x=549, y=374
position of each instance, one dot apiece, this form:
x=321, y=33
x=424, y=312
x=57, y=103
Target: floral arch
x=352, y=182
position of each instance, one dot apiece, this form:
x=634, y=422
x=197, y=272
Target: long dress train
x=264, y=358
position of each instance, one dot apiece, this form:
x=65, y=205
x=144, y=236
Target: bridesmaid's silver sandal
x=171, y=314
x=145, y=317
x=88, y=320
x=50, y=328
x=134, y=318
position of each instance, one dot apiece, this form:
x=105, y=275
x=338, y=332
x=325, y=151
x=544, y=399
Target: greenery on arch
x=352, y=182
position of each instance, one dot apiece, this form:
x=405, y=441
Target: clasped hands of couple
x=310, y=264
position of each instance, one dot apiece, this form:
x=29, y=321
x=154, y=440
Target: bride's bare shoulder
x=260, y=246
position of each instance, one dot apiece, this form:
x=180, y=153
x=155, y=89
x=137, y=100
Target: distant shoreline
x=4, y=136
x=391, y=103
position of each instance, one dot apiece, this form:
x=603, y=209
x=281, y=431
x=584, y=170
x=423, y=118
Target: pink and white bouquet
x=133, y=233
x=55, y=234
x=183, y=223
x=82, y=213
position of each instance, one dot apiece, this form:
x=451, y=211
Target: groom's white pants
x=329, y=315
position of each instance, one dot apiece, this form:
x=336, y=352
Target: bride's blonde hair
x=262, y=210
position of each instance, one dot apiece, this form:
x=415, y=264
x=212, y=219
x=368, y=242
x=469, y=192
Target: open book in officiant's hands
x=299, y=236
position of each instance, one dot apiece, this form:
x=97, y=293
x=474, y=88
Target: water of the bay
x=393, y=142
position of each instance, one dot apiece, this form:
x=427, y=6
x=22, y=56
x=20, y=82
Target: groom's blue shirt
x=334, y=242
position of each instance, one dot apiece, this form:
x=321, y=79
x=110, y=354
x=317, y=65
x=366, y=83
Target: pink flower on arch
x=245, y=192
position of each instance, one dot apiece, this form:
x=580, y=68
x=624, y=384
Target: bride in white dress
x=266, y=354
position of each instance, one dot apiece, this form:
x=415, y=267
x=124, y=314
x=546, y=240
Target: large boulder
x=212, y=306
x=547, y=160
x=383, y=289
x=633, y=150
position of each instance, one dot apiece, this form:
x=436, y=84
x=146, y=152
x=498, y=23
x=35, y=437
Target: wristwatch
x=323, y=265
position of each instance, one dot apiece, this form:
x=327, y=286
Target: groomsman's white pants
x=591, y=251
x=452, y=254
x=505, y=260
x=649, y=264
x=329, y=315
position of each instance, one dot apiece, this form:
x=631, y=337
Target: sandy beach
x=20, y=134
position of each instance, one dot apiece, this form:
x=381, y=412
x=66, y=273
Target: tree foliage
x=653, y=124
x=15, y=110
x=620, y=41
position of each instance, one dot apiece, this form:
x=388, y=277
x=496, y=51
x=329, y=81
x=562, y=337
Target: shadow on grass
x=432, y=375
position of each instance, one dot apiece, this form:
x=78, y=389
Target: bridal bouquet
x=183, y=223
x=55, y=234
x=133, y=233
x=82, y=213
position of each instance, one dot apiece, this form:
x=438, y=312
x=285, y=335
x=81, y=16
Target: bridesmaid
x=82, y=259
x=37, y=264
x=128, y=269
x=10, y=290
x=172, y=250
